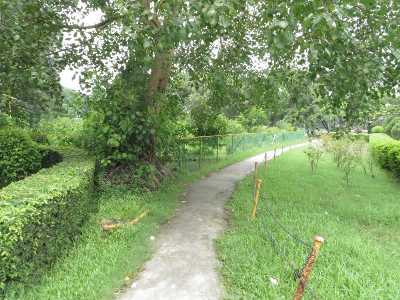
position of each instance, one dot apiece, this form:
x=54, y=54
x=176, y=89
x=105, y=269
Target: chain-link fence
x=191, y=153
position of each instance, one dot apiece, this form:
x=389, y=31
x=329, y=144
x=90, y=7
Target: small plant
x=370, y=164
x=314, y=154
x=338, y=150
x=348, y=153
x=348, y=163
x=326, y=140
x=360, y=149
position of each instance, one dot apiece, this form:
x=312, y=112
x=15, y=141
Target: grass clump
x=360, y=223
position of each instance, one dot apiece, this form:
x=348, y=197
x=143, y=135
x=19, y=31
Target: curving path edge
x=184, y=265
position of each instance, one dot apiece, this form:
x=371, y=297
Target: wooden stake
x=255, y=173
x=318, y=241
x=255, y=200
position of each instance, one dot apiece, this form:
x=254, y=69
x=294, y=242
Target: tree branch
x=99, y=25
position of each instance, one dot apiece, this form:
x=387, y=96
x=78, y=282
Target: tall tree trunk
x=159, y=77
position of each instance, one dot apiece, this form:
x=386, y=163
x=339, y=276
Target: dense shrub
x=378, y=129
x=395, y=132
x=39, y=137
x=364, y=137
x=234, y=126
x=390, y=124
x=265, y=129
x=254, y=117
x=5, y=120
x=206, y=123
x=50, y=157
x=63, y=131
x=19, y=155
x=285, y=126
x=387, y=153
x=41, y=215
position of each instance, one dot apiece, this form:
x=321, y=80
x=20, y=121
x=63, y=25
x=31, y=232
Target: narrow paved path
x=184, y=265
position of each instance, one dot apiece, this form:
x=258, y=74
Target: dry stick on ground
x=108, y=226
x=255, y=200
x=318, y=241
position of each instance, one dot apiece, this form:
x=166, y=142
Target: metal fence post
x=200, y=151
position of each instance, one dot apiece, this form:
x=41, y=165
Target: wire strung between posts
x=281, y=252
x=292, y=235
x=290, y=266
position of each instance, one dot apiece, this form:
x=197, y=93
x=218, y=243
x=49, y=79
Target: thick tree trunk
x=159, y=77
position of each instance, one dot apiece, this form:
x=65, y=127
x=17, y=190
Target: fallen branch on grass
x=109, y=225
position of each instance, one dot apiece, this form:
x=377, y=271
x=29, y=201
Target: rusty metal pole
x=255, y=200
x=318, y=241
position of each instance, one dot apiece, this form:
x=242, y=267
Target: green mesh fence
x=191, y=153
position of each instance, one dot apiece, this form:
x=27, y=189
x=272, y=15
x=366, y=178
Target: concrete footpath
x=184, y=265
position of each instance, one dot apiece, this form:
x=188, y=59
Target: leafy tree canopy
x=316, y=57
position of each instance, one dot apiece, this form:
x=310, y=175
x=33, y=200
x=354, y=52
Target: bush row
x=387, y=152
x=42, y=214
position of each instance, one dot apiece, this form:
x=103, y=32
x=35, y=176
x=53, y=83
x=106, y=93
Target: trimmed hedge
x=19, y=155
x=41, y=215
x=387, y=152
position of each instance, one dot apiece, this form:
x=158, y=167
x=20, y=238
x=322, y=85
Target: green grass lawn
x=360, y=258
x=100, y=264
